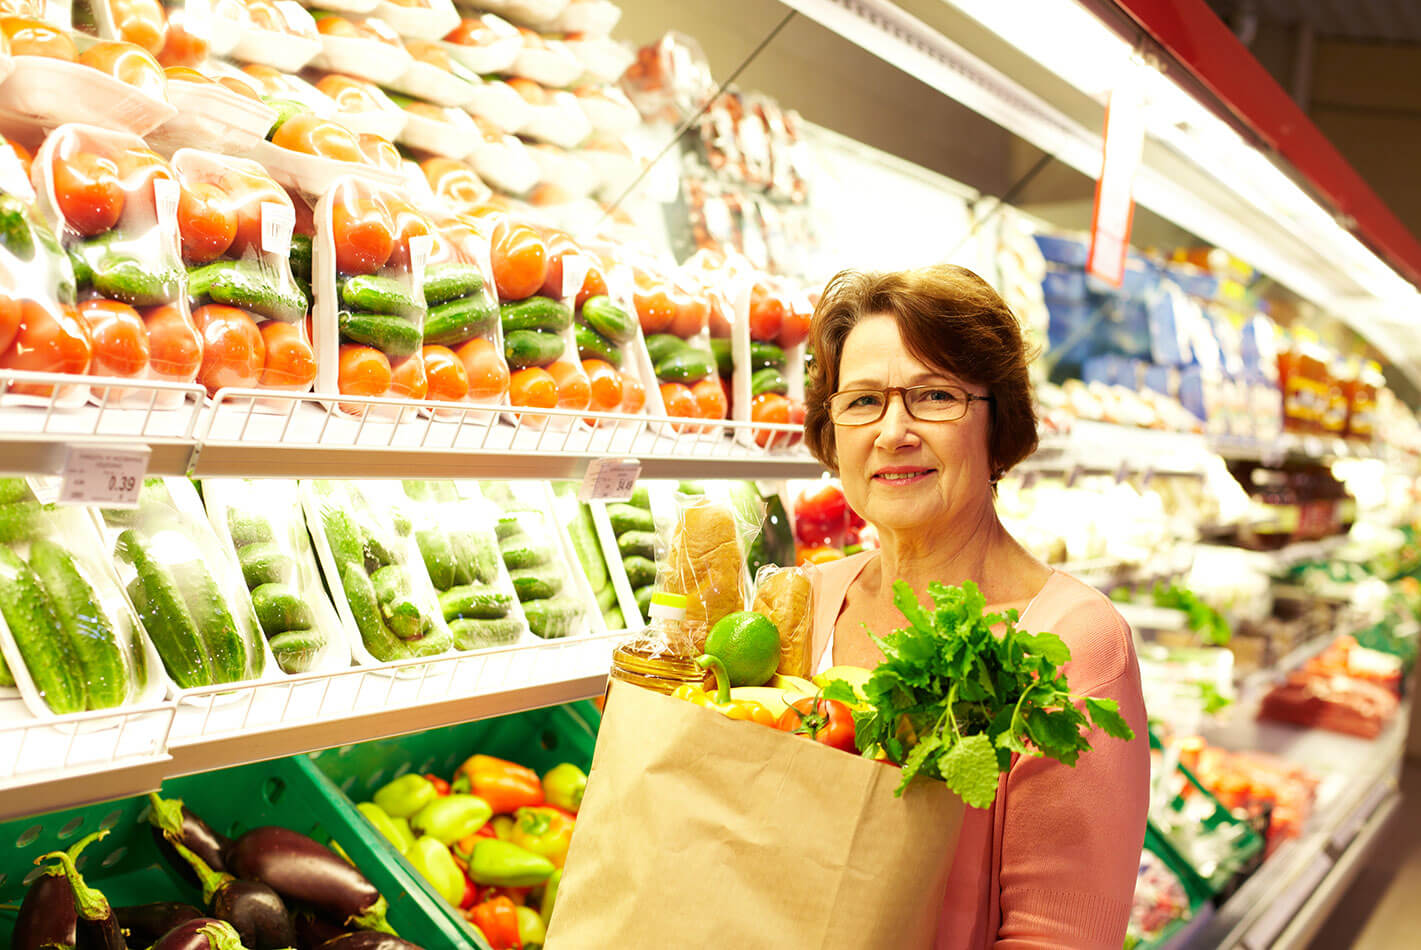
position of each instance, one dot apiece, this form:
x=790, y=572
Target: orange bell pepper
x=506, y=786
x=497, y=919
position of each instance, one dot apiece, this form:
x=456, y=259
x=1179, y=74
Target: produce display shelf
x=101, y=756
x=1286, y=899
x=1108, y=448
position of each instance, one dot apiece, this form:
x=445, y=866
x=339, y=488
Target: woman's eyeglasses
x=861, y=407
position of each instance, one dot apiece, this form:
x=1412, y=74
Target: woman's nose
x=895, y=429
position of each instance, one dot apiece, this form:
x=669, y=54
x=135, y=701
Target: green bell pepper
x=563, y=786
x=383, y=823
x=451, y=817
x=503, y=864
x=550, y=897
x=531, y=929
x=437, y=866
x=406, y=795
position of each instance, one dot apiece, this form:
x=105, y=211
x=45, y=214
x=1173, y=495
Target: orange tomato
x=207, y=222
x=559, y=246
x=710, y=398
x=448, y=380
x=532, y=93
x=409, y=223
x=654, y=306
x=364, y=371
x=606, y=385
x=767, y=313
x=363, y=230
x=290, y=361
x=47, y=342
x=181, y=48
x=118, y=337
x=129, y=64
x=408, y=379
x=486, y=370
x=520, y=260
x=769, y=407
x=335, y=26
x=349, y=94
x=691, y=313
x=309, y=133
x=454, y=181
x=533, y=387
x=239, y=87
x=174, y=345
x=794, y=330
x=593, y=285
x=633, y=393
x=9, y=321
x=678, y=399
x=140, y=22
x=573, y=389
x=271, y=81
x=33, y=37
x=379, y=152
x=233, y=351
x=88, y=192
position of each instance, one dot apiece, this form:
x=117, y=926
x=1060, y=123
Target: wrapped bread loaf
x=784, y=595
x=705, y=564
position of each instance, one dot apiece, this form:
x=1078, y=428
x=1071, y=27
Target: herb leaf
x=970, y=769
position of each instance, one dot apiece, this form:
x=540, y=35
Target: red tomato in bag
x=826, y=721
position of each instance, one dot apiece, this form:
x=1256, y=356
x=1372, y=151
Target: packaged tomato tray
x=114, y=203
x=455, y=184
x=674, y=315
x=364, y=47
x=235, y=224
x=71, y=642
x=371, y=250
x=609, y=340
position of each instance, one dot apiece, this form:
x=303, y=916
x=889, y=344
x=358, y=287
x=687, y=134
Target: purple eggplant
x=204, y=933
x=254, y=910
x=173, y=821
x=145, y=923
x=98, y=927
x=369, y=940
x=302, y=869
x=47, y=916
x=313, y=930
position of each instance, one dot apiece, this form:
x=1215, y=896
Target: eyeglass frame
x=902, y=391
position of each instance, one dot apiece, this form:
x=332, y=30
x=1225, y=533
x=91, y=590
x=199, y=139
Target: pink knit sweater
x=1052, y=863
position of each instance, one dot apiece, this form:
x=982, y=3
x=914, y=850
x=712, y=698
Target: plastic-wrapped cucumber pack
x=375, y=570
x=262, y=523
x=187, y=590
x=71, y=642
x=453, y=527
x=554, y=597
x=614, y=596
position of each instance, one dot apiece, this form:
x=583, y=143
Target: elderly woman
x=920, y=402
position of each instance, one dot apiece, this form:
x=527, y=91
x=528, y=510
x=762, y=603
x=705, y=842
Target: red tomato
x=233, y=351
x=247, y=191
x=364, y=233
x=181, y=48
x=710, y=398
x=821, y=515
x=767, y=314
x=448, y=380
x=606, y=384
x=207, y=222
x=140, y=22
x=409, y=379
x=87, y=190
x=827, y=721
x=654, y=306
x=290, y=361
x=454, y=181
x=33, y=37
x=174, y=345
x=119, y=339
x=593, y=285
x=692, y=311
x=47, y=342
x=364, y=371
x=574, y=391
x=408, y=223
x=10, y=311
x=633, y=393
x=309, y=133
x=533, y=387
x=559, y=246
x=795, y=328
x=128, y=64
x=769, y=407
x=520, y=260
x=488, y=373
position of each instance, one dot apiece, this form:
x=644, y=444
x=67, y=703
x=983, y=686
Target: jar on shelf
x=662, y=656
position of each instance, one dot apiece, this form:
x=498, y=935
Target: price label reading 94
x=111, y=476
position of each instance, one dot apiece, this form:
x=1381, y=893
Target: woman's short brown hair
x=950, y=319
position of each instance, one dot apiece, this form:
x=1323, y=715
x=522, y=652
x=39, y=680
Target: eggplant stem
x=88, y=901
x=210, y=880
x=221, y=936
x=373, y=918
x=166, y=814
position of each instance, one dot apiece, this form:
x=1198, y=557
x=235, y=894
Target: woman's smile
x=899, y=475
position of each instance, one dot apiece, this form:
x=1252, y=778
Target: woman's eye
x=866, y=401
x=938, y=395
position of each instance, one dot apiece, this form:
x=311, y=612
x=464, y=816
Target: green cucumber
x=15, y=234
x=296, y=650
x=641, y=571
x=608, y=319
x=375, y=294
x=474, y=601
x=436, y=491
x=438, y=640
x=7, y=678
x=626, y=518
x=302, y=251
x=724, y=362
x=20, y=521
x=643, y=599
x=120, y=277
x=685, y=366
x=583, y=533
x=248, y=528
x=763, y=355
x=83, y=270
x=613, y=618
x=660, y=346
x=49, y=655
x=526, y=555
x=85, y=624
x=554, y=617
x=165, y=615
x=470, y=634
x=265, y=564
x=343, y=537
x=457, y=321
x=438, y=556
x=450, y=281
x=231, y=655
x=508, y=530
x=535, y=584
x=768, y=380
x=592, y=345
x=641, y=498
x=13, y=490
x=606, y=598
x=280, y=608
x=397, y=604
x=535, y=313
x=381, y=643
x=395, y=336
x=476, y=554
x=248, y=285
x=524, y=348
x=642, y=543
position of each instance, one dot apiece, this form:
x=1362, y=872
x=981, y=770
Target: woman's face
x=900, y=473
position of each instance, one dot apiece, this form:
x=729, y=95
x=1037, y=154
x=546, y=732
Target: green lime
x=748, y=644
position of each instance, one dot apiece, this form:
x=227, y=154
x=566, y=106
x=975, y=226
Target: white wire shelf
x=74, y=760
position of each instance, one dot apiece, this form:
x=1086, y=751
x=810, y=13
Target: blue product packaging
x=1063, y=250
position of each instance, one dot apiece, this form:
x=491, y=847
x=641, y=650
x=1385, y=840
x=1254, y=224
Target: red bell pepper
x=441, y=787
x=506, y=786
x=498, y=919
x=471, y=893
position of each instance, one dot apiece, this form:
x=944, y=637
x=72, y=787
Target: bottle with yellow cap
x=662, y=656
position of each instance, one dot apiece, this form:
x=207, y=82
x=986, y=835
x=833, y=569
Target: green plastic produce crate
x=539, y=739
x=126, y=865
x=1197, y=891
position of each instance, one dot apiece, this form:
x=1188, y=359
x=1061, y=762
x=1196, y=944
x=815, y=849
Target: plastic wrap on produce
x=705, y=559
x=436, y=76
x=785, y=595
x=486, y=44
x=286, y=39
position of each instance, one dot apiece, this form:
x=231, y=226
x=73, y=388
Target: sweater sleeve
x=1071, y=837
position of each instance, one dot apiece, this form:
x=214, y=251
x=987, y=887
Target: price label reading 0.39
x=103, y=475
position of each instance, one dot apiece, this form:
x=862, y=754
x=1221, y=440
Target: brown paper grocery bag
x=697, y=831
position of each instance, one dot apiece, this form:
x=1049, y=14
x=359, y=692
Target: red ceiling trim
x=1201, y=42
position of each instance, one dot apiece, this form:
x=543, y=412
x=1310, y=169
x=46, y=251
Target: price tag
x=278, y=220
x=165, y=199
x=420, y=245
x=110, y=476
x=609, y=480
